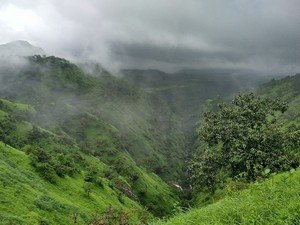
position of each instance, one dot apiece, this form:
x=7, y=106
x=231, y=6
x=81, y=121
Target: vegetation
x=242, y=141
x=274, y=201
x=91, y=148
x=66, y=116
x=235, y=200
x=26, y=198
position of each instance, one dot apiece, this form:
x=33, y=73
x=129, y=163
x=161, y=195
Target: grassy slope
x=187, y=91
x=28, y=199
x=146, y=124
x=83, y=123
x=275, y=201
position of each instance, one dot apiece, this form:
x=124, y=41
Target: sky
x=262, y=35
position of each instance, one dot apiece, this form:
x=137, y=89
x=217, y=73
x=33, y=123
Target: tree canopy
x=242, y=140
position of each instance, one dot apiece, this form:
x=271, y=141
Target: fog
x=261, y=35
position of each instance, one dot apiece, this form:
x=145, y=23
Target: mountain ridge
x=19, y=48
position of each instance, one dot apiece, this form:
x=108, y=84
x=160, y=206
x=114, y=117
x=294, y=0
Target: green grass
x=28, y=199
x=274, y=201
x=124, y=128
x=14, y=106
x=2, y=114
x=102, y=140
x=22, y=129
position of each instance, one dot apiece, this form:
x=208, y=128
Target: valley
x=82, y=147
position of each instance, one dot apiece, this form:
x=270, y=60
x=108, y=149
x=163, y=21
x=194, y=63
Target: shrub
x=111, y=216
x=46, y=203
x=47, y=172
x=242, y=141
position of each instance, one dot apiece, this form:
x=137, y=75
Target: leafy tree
x=36, y=134
x=64, y=164
x=50, y=164
x=47, y=172
x=91, y=174
x=242, y=140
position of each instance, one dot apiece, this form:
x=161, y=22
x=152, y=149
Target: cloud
x=163, y=34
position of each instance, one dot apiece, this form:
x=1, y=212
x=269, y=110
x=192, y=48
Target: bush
x=242, y=141
x=51, y=164
x=9, y=219
x=87, y=187
x=47, y=172
x=46, y=203
x=111, y=216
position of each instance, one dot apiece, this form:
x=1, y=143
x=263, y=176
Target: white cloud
x=260, y=34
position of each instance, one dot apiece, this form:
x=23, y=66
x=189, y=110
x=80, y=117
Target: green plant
x=111, y=216
x=87, y=187
x=242, y=141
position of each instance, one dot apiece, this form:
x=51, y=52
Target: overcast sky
x=164, y=34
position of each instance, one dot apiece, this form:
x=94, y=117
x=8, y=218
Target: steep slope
x=50, y=84
x=26, y=198
x=103, y=117
x=275, y=201
x=187, y=91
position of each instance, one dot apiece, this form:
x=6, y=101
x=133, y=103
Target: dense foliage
x=243, y=141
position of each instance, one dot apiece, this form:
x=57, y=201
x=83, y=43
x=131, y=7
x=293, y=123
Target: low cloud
x=170, y=35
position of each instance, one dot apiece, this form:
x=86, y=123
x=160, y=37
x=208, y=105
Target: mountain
x=104, y=118
x=19, y=48
x=265, y=201
x=78, y=144
x=188, y=91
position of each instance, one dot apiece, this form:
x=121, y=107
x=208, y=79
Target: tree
x=243, y=140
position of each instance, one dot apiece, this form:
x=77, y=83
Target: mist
x=166, y=35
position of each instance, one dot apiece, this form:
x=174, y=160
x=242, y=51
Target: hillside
x=49, y=106
x=275, y=201
x=19, y=48
x=61, y=91
x=26, y=198
x=288, y=90
x=187, y=91
x=94, y=135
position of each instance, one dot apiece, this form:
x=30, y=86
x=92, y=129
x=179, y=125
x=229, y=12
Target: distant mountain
x=19, y=48
x=187, y=91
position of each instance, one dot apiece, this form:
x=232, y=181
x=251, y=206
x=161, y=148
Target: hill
x=188, y=91
x=84, y=144
x=70, y=113
x=26, y=198
x=275, y=201
x=19, y=48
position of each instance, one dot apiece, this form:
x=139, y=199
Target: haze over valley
x=149, y=112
